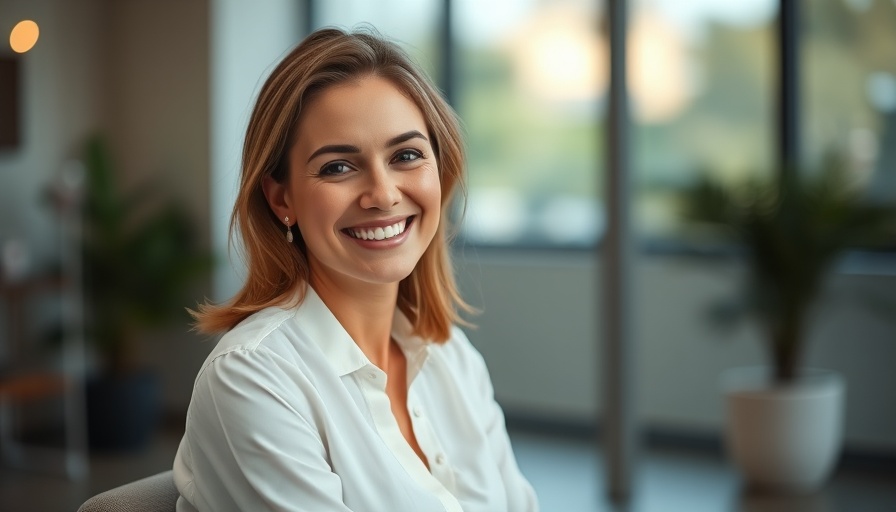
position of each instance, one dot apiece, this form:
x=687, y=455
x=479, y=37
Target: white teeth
x=379, y=233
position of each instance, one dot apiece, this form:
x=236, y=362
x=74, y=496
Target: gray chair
x=155, y=493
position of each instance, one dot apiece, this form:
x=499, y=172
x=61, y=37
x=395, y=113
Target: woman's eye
x=408, y=155
x=334, y=169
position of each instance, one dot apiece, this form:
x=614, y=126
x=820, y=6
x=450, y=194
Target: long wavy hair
x=279, y=272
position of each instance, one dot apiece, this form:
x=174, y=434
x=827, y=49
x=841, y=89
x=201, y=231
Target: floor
x=567, y=475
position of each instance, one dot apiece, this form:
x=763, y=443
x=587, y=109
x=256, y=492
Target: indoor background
x=168, y=85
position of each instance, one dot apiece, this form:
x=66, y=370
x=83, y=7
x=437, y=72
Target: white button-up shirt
x=288, y=414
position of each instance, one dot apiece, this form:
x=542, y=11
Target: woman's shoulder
x=459, y=353
x=259, y=336
x=254, y=331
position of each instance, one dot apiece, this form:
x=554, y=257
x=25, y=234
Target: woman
x=341, y=382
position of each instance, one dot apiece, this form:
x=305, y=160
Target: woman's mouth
x=379, y=233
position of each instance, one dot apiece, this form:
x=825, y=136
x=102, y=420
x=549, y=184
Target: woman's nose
x=381, y=190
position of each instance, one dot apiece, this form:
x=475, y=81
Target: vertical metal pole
x=310, y=21
x=446, y=53
x=76, y=457
x=618, y=427
x=788, y=87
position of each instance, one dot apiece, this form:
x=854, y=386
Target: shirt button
x=371, y=375
x=417, y=412
x=440, y=459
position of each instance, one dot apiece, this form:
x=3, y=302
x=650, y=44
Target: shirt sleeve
x=520, y=494
x=253, y=441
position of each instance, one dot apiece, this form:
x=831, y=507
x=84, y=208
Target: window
x=532, y=86
x=849, y=88
x=531, y=80
x=701, y=81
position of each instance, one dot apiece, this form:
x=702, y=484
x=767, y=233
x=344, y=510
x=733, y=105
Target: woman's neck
x=365, y=311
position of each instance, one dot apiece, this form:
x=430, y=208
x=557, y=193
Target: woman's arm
x=251, y=443
x=520, y=495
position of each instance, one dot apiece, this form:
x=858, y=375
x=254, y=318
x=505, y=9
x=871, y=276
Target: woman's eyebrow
x=334, y=148
x=404, y=137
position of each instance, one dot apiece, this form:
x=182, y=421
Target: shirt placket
x=372, y=382
x=439, y=464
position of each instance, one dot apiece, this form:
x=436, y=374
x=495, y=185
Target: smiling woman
x=342, y=382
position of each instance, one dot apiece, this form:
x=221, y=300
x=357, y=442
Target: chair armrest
x=156, y=493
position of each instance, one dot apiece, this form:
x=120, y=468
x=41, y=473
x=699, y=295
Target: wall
x=248, y=39
x=540, y=331
x=61, y=104
x=157, y=72
x=157, y=101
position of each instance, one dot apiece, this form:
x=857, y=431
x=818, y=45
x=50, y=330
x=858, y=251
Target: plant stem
x=786, y=344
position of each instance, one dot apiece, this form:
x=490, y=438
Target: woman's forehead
x=371, y=110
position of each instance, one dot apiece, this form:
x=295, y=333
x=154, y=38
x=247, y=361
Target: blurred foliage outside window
x=530, y=82
x=532, y=91
x=849, y=89
x=702, y=80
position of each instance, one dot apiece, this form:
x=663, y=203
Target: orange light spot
x=23, y=36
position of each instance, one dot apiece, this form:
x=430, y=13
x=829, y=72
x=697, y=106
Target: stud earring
x=288, y=230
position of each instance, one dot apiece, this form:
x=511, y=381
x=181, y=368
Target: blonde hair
x=278, y=271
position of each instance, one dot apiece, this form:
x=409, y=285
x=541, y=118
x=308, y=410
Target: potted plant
x=140, y=257
x=784, y=425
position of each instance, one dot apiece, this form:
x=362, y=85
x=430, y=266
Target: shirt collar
x=415, y=348
x=340, y=349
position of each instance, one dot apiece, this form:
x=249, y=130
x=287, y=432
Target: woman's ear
x=276, y=195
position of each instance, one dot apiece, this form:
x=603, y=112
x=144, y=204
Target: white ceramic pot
x=784, y=438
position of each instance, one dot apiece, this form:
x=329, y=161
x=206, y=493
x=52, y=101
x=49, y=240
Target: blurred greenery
x=792, y=228
x=515, y=142
x=541, y=148
x=141, y=256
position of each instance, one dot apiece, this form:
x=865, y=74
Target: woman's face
x=363, y=184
